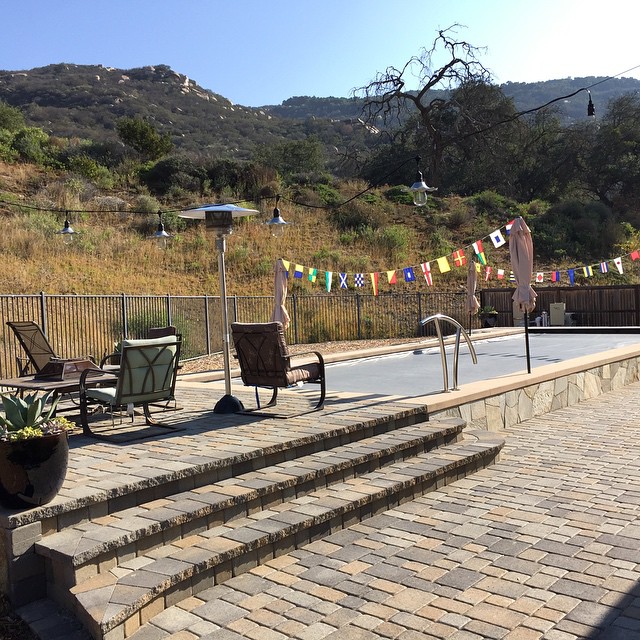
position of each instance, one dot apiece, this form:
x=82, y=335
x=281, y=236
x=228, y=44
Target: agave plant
x=31, y=417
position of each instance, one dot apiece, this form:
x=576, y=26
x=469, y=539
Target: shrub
x=89, y=168
x=356, y=216
x=399, y=194
x=32, y=145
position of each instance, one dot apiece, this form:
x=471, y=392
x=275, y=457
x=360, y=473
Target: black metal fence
x=82, y=325
x=93, y=325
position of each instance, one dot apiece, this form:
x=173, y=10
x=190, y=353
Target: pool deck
x=542, y=544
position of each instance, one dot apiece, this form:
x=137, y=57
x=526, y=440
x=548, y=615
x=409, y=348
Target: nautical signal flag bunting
x=458, y=259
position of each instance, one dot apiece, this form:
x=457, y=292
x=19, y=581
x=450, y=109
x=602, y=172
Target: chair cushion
x=304, y=373
x=102, y=394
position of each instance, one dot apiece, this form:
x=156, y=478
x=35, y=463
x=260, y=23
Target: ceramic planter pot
x=32, y=471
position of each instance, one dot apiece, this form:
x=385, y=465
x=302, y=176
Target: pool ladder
x=436, y=319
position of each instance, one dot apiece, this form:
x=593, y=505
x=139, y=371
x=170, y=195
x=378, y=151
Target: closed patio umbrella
x=280, y=313
x=472, y=303
x=521, y=250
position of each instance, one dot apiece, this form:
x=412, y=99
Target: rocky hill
x=85, y=101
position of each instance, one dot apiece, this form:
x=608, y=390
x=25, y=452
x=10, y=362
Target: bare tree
x=388, y=99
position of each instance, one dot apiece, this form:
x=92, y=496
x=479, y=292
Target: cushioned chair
x=147, y=374
x=36, y=345
x=161, y=332
x=265, y=361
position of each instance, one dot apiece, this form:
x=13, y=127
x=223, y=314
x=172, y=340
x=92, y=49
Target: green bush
x=399, y=194
x=89, y=168
x=32, y=145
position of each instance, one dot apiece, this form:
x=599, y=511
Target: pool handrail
x=436, y=318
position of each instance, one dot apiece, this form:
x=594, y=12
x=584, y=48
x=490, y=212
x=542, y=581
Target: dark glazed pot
x=32, y=471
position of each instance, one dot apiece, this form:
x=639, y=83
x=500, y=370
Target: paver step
x=115, y=603
x=91, y=547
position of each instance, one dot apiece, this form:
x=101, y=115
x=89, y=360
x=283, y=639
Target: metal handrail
x=436, y=319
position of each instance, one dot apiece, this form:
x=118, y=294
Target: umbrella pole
x=526, y=340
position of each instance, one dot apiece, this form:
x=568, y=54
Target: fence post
x=169, y=309
x=207, y=325
x=125, y=321
x=43, y=311
x=359, y=334
x=295, y=318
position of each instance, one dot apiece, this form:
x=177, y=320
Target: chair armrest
x=105, y=359
x=317, y=354
x=88, y=373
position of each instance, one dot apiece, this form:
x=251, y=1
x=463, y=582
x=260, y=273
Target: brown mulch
x=215, y=362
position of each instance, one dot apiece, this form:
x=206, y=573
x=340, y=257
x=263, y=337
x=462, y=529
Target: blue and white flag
x=497, y=238
x=409, y=276
x=343, y=280
x=358, y=280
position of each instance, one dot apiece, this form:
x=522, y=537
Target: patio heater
x=219, y=218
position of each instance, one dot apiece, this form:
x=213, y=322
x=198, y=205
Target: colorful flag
x=358, y=280
x=285, y=264
x=539, y=276
x=497, y=238
x=299, y=271
x=391, y=277
x=313, y=274
x=487, y=273
x=426, y=270
x=587, y=270
x=374, y=282
x=343, y=280
x=478, y=270
x=409, y=276
x=572, y=276
x=618, y=263
x=443, y=264
x=604, y=267
x=555, y=276
x=512, y=276
x=508, y=227
x=328, y=277
x=635, y=255
x=459, y=258
x=500, y=274
x=479, y=250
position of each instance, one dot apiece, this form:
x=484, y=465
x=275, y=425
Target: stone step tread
x=83, y=542
x=112, y=597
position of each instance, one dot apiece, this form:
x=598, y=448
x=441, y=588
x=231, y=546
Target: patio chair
x=160, y=332
x=147, y=375
x=36, y=345
x=265, y=361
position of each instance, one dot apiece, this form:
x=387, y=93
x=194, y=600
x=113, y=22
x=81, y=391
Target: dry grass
x=111, y=254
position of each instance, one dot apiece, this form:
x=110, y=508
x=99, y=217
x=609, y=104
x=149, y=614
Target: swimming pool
x=419, y=372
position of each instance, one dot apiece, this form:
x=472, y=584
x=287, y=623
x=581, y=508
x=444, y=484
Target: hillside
x=85, y=101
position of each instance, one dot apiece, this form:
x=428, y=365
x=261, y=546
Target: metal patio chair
x=36, y=346
x=146, y=376
x=265, y=361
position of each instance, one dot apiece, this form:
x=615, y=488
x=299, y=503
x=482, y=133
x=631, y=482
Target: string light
x=67, y=231
x=277, y=223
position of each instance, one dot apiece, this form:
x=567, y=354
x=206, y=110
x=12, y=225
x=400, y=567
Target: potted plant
x=488, y=315
x=34, y=450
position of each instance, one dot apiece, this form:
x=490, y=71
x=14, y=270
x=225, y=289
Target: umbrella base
x=228, y=404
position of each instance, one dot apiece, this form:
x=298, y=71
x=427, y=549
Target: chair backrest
x=148, y=370
x=262, y=352
x=34, y=342
x=161, y=332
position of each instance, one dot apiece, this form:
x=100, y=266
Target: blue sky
x=258, y=52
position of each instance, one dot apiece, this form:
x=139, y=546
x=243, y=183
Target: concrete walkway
x=544, y=544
